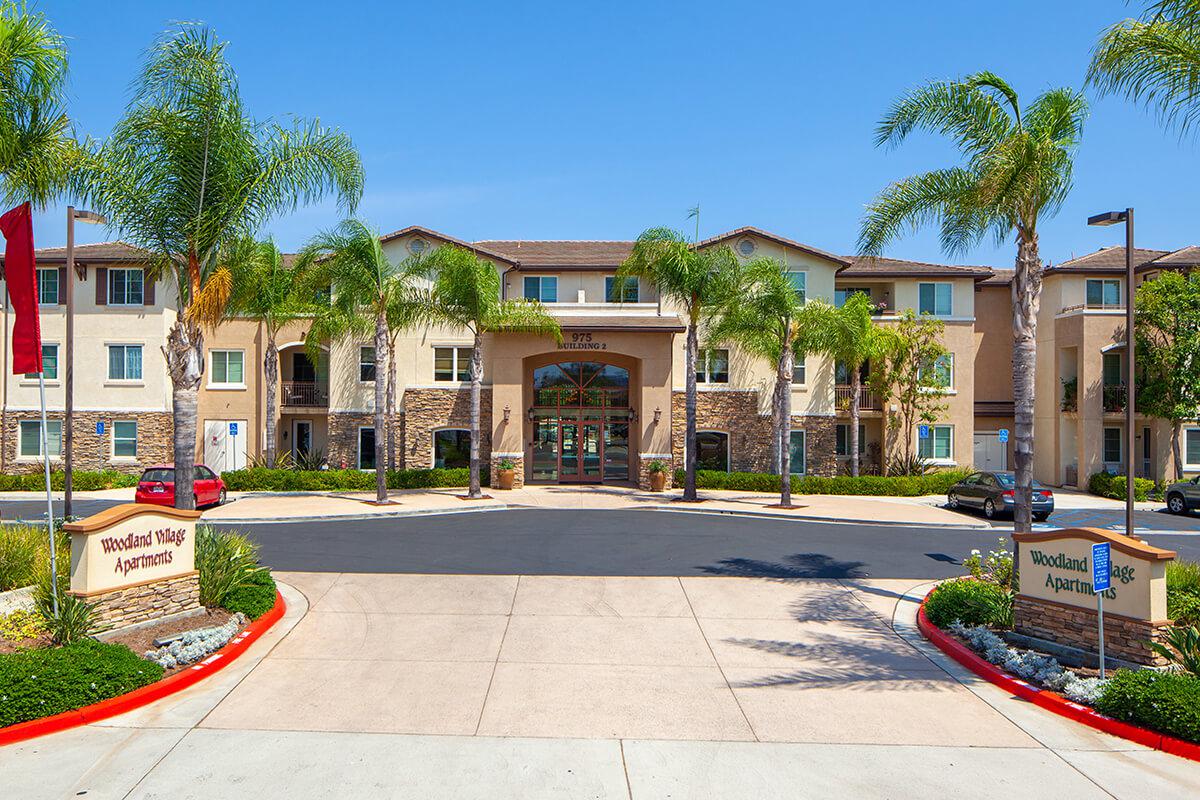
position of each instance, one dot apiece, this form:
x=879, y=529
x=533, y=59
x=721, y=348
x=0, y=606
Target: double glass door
x=581, y=454
x=580, y=450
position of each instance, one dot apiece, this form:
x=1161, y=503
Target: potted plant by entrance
x=505, y=471
x=658, y=475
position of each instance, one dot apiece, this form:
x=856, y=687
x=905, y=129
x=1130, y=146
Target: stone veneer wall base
x=148, y=602
x=155, y=443
x=1124, y=637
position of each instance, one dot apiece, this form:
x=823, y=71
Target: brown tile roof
x=564, y=254
x=1183, y=257
x=432, y=234
x=872, y=266
x=751, y=230
x=1000, y=277
x=1107, y=260
x=101, y=252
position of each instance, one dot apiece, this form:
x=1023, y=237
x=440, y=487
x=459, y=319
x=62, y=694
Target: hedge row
x=261, y=479
x=1164, y=701
x=83, y=481
x=895, y=486
x=1113, y=486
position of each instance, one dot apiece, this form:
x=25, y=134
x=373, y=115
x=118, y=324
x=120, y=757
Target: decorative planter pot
x=505, y=476
x=658, y=481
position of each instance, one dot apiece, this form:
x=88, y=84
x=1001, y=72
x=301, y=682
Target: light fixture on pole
x=91, y=218
x=1113, y=218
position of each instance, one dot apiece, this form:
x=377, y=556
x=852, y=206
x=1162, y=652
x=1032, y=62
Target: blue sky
x=598, y=120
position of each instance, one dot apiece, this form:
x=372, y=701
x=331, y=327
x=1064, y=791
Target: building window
x=1112, y=447
x=841, y=295
x=842, y=374
x=712, y=366
x=936, y=299
x=1103, y=293
x=30, y=440
x=125, y=287
x=842, y=446
x=938, y=445
x=543, y=288
x=366, y=448
x=799, y=372
x=746, y=247
x=451, y=449
x=940, y=374
x=124, y=433
x=452, y=363
x=1112, y=369
x=1191, y=446
x=124, y=362
x=228, y=368
x=712, y=451
x=796, y=453
x=799, y=282
x=49, y=363
x=366, y=364
x=626, y=292
x=47, y=287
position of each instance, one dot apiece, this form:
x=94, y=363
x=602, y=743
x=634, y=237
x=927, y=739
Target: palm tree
x=36, y=147
x=697, y=281
x=767, y=318
x=365, y=286
x=185, y=173
x=1017, y=165
x=466, y=294
x=268, y=290
x=853, y=339
x=1154, y=60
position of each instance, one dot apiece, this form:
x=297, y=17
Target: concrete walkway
x=419, y=686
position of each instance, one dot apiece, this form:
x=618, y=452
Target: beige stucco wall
x=992, y=363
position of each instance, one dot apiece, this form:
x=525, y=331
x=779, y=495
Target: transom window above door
x=543, y=288
x=452, y=363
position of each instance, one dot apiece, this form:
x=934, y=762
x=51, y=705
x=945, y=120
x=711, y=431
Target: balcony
x=308, y=394
x=867, y=400
x=1114, y=398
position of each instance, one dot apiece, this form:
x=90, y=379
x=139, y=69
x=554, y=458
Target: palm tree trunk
x=185, y=364
x=474, y=492
x=381, y=341
x=1026, y=291
x=391, y=406
x=271, y=373
x=783, y=394
x=689, y=436
x=855, y=389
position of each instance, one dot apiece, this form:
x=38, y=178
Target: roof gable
x=749, y=230
x=412, y=230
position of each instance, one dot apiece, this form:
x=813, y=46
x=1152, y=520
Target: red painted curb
x=1051, y=701
x=148, y=694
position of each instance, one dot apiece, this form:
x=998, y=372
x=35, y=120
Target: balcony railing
x=1114, y=397
x=305, y=393
x=867, y=400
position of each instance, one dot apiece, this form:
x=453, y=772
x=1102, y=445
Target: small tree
x=908, y=374
x=1167, y=336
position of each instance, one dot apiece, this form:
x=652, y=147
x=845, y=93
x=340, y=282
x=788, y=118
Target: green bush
x=39, y=683
x=970, y=602
x=1183, y=592
x=253, y=597
x=76, y=618
x=878, y=485
x=1167, y=702
x=25, y=555
x=260, y=479
x=82, y=481
x=1113, y=486
x=226, y=561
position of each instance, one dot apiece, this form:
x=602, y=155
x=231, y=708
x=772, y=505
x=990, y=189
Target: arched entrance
x=581, y=422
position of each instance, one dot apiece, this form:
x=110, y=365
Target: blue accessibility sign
x=1004, y=434
x=1101, y=566
x=233, y=428
x=923, y=431
x=100, y=428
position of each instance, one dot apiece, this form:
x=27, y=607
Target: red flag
x=20, y=272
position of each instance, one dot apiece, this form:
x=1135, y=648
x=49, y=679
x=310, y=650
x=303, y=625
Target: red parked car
x=157, y=486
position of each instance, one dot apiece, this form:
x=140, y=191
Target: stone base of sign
x=146, y=602
x=1124, y=637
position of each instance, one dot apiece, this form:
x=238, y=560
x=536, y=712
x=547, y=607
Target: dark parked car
x=994, y=493
x=157, y=486
x=1184, y=496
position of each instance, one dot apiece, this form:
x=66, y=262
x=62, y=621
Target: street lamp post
x=1112, y=218
x=69, y=352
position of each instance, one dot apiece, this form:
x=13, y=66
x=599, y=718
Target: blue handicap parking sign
x=1101, y=566
x=923, y=431
x=233, y=429
x=1004, y=434
x=100, y=428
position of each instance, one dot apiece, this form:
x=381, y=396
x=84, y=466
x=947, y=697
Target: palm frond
x=210, y=305
x=945, y=197
x=958, y=110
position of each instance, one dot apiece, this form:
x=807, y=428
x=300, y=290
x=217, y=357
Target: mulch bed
x=13, y=646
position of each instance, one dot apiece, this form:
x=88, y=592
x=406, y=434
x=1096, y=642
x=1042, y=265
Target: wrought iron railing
x=1114, y=397
x=867, y=400
x=305, y=393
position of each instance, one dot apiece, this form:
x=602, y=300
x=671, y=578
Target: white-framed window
x=712, y=450
x=938, y=445
x=1103, y=293
x=541, y=287
x=227, y=368
x=939, y=374
x=626, y=292
x=125, y=287
x=124, y=438
x=451, y=448
x=712, y=366
x=1191, y=447
x=799, y=372
x=124, y=362
x=797, y=453
x=452, y=363
x=366, y=364
x=29, y=443
x=799, y=282
x=842, y=445
x=366, y=448
x=49, y=363
x=936, y=299
x=47, y=285
x=1113, y=446
x=841, y=295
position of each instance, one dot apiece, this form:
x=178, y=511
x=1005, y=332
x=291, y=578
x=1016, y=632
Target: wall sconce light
x=529, y=414
x=657, y=414
x=507, y=413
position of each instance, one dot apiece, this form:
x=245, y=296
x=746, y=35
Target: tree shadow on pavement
x=794, y=567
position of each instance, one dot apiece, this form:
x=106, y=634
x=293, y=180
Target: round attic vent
x=746, y=247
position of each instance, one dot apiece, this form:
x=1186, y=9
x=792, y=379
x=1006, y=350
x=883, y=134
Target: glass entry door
x=581, y=454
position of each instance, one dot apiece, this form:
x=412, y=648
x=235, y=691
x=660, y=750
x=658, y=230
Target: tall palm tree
x=697, y=281
x=36, y=146
x=270, y=291
x=1154, y=60
x=186, y=172
x=1017, y=168
x=767, y=318
x=853, y=339
x=466, y=294
x=365, y=286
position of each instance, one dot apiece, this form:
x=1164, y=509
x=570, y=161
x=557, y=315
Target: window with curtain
x=30, y=437
x=1112, y=369
x=452, y=363
x=124, y=362
x=49, y=363
x=124, y=433
x=228, y=368
x=936, y=299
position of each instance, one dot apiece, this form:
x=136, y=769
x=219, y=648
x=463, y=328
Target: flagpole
x=49, y=495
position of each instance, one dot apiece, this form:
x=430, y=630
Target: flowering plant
x=996, y=567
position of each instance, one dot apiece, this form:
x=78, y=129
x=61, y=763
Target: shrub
x=253, y=597
x=1028, y=664
x=226, y=561
x=996, y=567
x=1167, y=702
x=76, y=618
x=25, y=555
x=260, y=479
x=1182, y=648
x=20, y=624
x=39, y=683
x=970, y=602
x=658, y=466
x=878, y=485
x=1113, y=486
x=82, y=481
